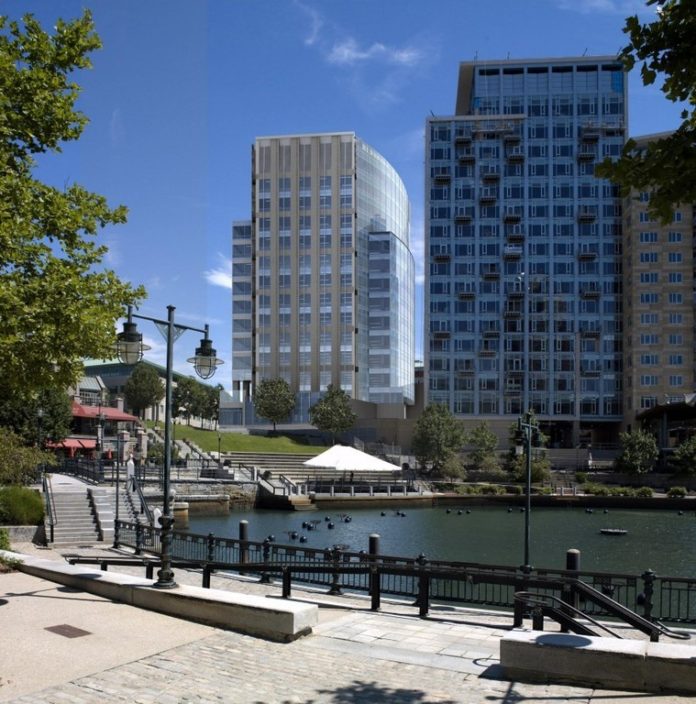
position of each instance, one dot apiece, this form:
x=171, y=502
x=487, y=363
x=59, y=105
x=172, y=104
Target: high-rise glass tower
x=332, y=274
x=523, y=247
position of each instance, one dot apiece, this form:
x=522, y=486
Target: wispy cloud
x=611, y=7
x=220, y=275
x=117, y=128
x=348, y=52
x=376, y=72
x=316, y=23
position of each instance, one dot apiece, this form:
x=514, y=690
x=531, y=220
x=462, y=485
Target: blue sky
x=181, y=89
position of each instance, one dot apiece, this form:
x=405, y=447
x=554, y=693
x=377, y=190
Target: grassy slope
x=207, y=440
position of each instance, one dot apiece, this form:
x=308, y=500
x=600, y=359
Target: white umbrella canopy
x=348, y=459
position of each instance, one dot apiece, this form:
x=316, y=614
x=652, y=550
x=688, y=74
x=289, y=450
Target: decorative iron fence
x=671, y=599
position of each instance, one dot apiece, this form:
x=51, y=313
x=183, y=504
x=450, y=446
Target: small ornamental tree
x=437, y=436
x=517, y=464
x=143, y=389
x=484, y=443
x=638, y=452
x=18, y=463
x=684, y=458
x=332, y=413
x=274, y=400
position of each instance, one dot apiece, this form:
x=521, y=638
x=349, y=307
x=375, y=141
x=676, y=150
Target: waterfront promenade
x=125, y=654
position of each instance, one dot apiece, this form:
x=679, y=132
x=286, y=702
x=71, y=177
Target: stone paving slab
x=354, y=656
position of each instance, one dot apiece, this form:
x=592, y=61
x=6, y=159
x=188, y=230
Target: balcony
x=442, y=178
x=490, y=174
x=586, y=155
x=488, y=195
x=490, y=332
x=463, y=139
x=512, y=137
x=512, y=215
x=587, y=255
x=586, y=215
x=466, y=157
x=512, y=252
x=490, y=274
x=515, y=155
x=590, y=132
x=466, y=295
x=441, y=258
x=486, y=352
x=513, y=312
x=463, y=216
x=442, y=335
x=589, y=291
x=590, y=332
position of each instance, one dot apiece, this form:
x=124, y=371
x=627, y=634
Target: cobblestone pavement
x=353, y=656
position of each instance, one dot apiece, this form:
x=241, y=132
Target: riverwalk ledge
x=259, y=616
x=594, y=661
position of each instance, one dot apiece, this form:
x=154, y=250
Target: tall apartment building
x=323, y=277
x=658, y=269
x=523, y=245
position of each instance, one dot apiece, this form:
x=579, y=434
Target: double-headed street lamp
x=129, y=349
x=527, y=436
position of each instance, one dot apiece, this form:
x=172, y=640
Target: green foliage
x=437, y=435
x=143, y=389
x=684, y=457
x=58, y=304
x=677, y=492
x=644, y=492
x=20, y=506
x=19, y=411
x=541, y=467
x=663, y=47
x=638, y=452
x=484, y=442
x=155, y=453
x=4, y=539
x=580, y=477
x=18, y=463
x=453, y=468
x=190, y=399
x=332, y=413
x=274, y=400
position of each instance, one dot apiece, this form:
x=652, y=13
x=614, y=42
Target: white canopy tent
x=347, y=459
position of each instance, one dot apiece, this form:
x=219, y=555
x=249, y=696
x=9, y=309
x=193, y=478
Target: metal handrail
x=50, y=505
x=534, y=599
x=143, y=503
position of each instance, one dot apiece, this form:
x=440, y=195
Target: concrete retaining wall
x=595, y=661
x=274, y=619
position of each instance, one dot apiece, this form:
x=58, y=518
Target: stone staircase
x=74, y=519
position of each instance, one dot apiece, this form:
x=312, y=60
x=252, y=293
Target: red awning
x=68, y=444
x=80, y=411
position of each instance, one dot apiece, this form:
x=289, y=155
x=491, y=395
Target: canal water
x=663, y=541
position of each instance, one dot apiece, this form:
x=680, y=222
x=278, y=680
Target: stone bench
x=595, y=661
x=274, y=619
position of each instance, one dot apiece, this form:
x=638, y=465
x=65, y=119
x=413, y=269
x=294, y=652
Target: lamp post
x=130, y=348
x=526, y=436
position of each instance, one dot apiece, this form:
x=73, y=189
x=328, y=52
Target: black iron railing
x=671, y=599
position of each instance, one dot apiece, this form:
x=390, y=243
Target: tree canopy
x=274, y=400
x=638, y=452
x=58, y=305
x=143, y=389
x=37, y=418
x=437, y=436
x=667, y=167
x=332, y=413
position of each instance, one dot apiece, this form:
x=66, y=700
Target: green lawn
x=207, y=440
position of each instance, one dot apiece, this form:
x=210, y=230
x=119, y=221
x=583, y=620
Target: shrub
x=677, y=492
x=20, y=506
x=580, y=477
x=644, y=492
x=4, y=539
x=513, y=489
x=491, y=489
